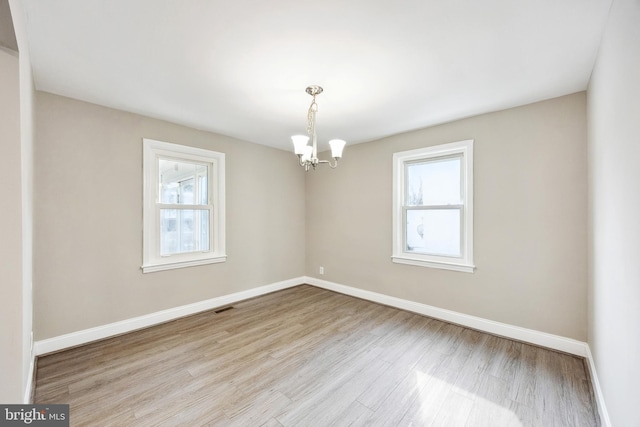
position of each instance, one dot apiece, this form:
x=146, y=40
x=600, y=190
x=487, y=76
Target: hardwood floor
x=310, y=357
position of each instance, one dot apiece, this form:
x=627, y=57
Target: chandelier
x=308, y=154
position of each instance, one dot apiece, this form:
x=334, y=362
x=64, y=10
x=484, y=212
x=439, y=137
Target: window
x=183, y=206
x=433, y=206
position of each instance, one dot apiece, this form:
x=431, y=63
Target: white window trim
x=399, y=255
x=152, y=261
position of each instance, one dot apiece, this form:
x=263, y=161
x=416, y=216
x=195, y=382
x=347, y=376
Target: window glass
x=204, y=191
x=433, y=231
x=183, y=231
x=178, y=182
x=434, y=182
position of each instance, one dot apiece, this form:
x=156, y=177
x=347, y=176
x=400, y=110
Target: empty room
x=320, y=213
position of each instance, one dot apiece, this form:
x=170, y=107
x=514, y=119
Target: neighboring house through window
x=433, y=206
x=183, y=206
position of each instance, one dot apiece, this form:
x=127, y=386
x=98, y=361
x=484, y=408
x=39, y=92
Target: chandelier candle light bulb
x=308, y=154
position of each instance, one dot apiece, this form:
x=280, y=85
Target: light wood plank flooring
x=310, y=357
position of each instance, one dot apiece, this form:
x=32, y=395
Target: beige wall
x=88, y=218
x=530, y=220
x=614, y=178
x=530, y=183
x=11, y=380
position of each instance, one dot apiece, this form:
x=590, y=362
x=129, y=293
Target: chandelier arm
x=331, y=165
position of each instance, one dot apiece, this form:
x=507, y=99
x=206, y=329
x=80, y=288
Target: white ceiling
x=240, y=68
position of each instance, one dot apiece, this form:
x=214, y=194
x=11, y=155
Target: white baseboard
x=112, y=329
x=30, y=383
x=542, y=339
x=602, y=408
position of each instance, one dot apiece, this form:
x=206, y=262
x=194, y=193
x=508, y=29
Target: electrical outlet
x=321, y=270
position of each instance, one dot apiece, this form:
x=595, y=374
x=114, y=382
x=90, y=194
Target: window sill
x=151, y=268
x=466, y=268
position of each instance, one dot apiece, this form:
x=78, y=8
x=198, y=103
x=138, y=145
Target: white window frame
x=153, y=151
x=399, y=253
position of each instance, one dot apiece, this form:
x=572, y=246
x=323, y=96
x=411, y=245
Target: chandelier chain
x=311, y=116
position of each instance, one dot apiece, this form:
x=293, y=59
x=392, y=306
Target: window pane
x=434, y=182
x=183, y=230
x=186, y=231
x=433, y=232
x=204, y=190
x=186, y=192
x=204, y=230
x=181, y=182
